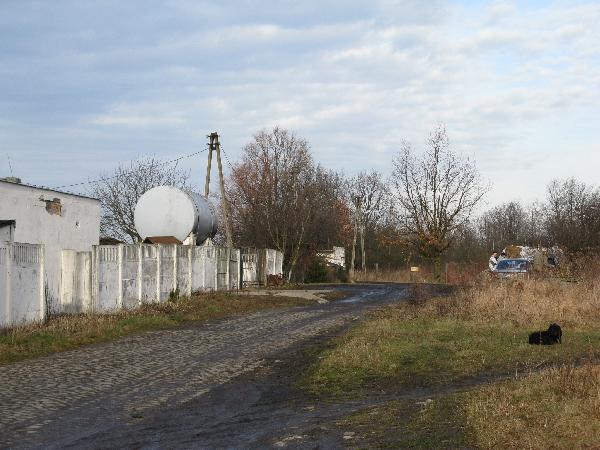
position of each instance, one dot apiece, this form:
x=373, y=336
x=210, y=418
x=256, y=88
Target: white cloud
x=354, y=78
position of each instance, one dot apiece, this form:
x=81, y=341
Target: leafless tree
x=119, y=192
x=573, y=214
x=513, y=224
x=367, y=193
x=504, y=225
x=281, y=199
x=272, y=193
x=436, y=192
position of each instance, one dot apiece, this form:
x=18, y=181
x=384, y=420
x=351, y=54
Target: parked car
x=512, y=267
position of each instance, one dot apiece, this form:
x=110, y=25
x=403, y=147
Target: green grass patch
x=71, y=331
x=393, y=352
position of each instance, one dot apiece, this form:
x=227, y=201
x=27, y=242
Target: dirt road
x=224, y=384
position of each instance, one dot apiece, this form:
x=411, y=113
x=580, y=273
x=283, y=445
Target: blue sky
x=86, y=85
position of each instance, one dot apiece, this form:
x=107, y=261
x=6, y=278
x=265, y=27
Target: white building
x=58, y=220
x=334, y=257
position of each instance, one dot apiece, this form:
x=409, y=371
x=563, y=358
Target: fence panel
x=249, y=267
x=149, y=268
x=4, y=287
x=184, y=269
x=130, y=279
x=26, y=287
x=76, y=282
x=198, y=269
x=222, y=269
x=234, y=269
x=210, y=268
x=167, y=270
x=21, y=283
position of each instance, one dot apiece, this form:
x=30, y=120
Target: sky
x=87, y=85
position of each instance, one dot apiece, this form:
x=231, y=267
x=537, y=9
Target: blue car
x=512, y=267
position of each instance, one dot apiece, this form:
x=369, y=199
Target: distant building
x=58, y=220
x=334, y=257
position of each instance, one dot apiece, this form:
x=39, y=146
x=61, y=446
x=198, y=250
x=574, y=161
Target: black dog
x=551, y=336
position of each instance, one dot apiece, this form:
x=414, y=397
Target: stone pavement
x=67, y=398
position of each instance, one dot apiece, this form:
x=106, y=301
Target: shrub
x=316, y=272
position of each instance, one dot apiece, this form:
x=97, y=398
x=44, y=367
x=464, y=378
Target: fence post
x=42, y=259
x=95, y=275
x=239, y=268
x=8, y=306
x=120, y=275
x=227, y=268
x=158, y=264
x=175, y=266
x=190, y=268
x=217, y=257
x=140, y=272
x=204, y=268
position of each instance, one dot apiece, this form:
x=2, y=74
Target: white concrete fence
x=22, y=294
x=113, y=277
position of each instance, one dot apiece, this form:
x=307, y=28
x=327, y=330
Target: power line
x=128, y=173
x=227, y=158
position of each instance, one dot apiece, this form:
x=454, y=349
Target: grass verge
x=457, y=348
x=70, y=331
x=392, y=351
x=557, y=408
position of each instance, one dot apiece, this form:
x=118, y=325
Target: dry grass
x=394, y=276
x=558, y=408
x=482, y=330
x=522, y=302
x=553, y=401
x=70, y=331
x=450, y=273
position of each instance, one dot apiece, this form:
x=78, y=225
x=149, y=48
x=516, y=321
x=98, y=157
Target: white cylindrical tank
x=169, y=211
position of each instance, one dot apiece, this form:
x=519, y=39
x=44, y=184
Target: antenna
x=9, y=165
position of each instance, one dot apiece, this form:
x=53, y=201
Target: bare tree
x=436, y=192
x=119, y=192
x=272, y=193
x=573, y=214
x=504, y=225
x=367, y=192
x=281, y=199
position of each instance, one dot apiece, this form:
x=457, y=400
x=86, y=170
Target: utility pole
x=357, y=212
x=215, y=146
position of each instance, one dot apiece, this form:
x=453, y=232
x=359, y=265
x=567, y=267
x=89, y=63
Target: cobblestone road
x=69, y=398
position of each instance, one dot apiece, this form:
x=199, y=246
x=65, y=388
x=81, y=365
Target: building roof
x=161, y=240
x=43, y=188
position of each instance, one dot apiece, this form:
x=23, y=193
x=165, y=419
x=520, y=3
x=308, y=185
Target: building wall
x=335, y=257
x=72, y=223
